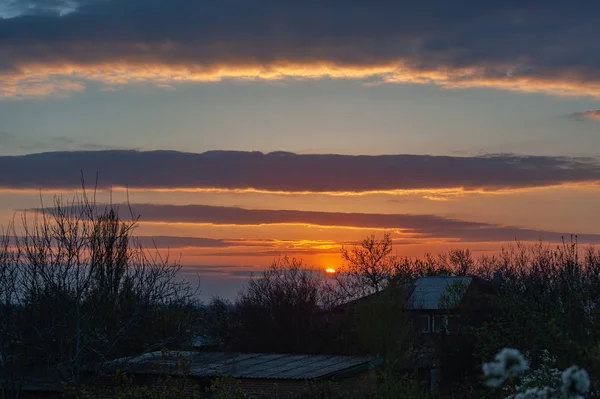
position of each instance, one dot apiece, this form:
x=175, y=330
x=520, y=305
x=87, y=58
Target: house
x=443, y=311
x=440, y=313
x=446, y=303
x=260, y=375
x=432, y=303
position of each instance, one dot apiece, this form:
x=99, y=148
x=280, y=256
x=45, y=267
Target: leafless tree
x=275, y=311
x=84, y=288
x=369, y=267
x=10, y=359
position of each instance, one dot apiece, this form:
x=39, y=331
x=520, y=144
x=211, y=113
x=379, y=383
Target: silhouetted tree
x=275, y=311
x=369, y=267
x=217, y=321
x=12, y=362
x=549, y=299
x=84, y=290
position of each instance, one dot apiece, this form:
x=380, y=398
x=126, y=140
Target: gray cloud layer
x=524, y=45
x=291, y=172
x=418, y=226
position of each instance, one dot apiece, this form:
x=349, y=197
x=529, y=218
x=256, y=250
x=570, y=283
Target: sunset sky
x=247, y=130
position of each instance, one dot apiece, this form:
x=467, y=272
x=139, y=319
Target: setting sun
x=330, y=270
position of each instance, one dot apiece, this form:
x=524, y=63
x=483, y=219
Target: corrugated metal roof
x=237, y=365
x=428, y=291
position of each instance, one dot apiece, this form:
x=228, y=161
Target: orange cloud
x=59, y=80
x=593, y=114
x=431, y=194
x=39, y=85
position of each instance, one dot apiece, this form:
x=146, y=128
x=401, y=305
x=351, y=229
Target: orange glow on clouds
x=429, y=193
x=593, y=114
x=38, y=80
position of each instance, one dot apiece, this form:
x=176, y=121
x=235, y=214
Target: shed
x=258, y=374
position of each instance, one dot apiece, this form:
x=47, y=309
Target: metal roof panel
x=238, y=365
x=428, y=291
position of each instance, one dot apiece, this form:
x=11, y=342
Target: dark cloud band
x=288, y=172
x=414, y=226
x=524, y=45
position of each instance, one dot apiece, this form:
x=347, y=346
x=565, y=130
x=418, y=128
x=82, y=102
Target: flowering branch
x=509, y=364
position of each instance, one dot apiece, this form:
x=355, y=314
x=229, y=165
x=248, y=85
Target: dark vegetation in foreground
x=76, y=291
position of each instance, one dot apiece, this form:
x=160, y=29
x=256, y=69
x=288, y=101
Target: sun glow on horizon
x=330, y=270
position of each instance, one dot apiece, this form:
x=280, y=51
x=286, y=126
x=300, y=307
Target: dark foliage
x=275, y=312
x=76, y=290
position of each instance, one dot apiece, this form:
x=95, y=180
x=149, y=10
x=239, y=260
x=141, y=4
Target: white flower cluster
x=545, y=375
x=575, y=382
x=534, y=393
x=510, y=363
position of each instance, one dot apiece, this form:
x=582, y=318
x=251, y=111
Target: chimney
x=497, y=277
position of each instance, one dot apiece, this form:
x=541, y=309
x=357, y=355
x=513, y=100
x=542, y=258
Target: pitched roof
x=428, y=291
x=244, y=365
